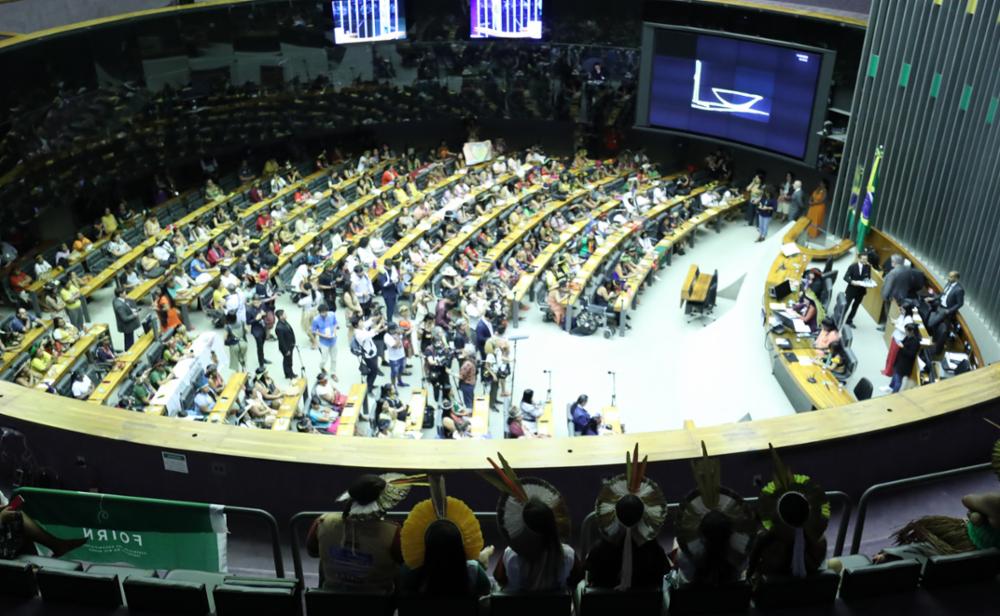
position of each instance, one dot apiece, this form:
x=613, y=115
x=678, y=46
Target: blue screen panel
x=361, y=21
x=505, y=18
x=752, y=93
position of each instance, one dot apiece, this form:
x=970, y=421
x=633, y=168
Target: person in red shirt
x=264, y=221
x=389, y=175
x=215, y=254
x=19, y=281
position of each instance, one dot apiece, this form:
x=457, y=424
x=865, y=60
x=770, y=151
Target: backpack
x=356, y=348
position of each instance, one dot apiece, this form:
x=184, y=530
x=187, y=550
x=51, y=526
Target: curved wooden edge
x=820, y=254
x=101, y=21
x=885, y=244
x=165, y=433
x=795, y=10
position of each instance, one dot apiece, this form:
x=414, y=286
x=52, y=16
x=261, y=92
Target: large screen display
x=754, y=93
x=505, y=18
x=360, y=21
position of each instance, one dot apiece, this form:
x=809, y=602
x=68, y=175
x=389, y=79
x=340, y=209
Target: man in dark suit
x=914, y=281
x=126, y=316
x=484, y=331
x=858, y=276
x=286, y=342
x=952, y=298
x=258, y=329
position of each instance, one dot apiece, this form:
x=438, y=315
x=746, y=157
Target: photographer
x=363, y=346
x=438, y=361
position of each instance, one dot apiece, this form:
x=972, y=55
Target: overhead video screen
x=505, y=18
x=754, y=93
x=363, y=21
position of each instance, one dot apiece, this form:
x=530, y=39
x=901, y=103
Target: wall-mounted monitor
x=505, y=18
x=747, y=91
x=365, y=21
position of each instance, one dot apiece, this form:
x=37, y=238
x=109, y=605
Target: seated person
x=828, y=335
x=42, y=358
x=82, y=386
x=836, y=359
x=117, y=246
x=584, y=423
x=810, y=309
x=23, y=320
x=64, y=333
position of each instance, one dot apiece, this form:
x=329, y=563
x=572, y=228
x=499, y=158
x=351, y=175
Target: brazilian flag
x=866, y=207
x=852, y=205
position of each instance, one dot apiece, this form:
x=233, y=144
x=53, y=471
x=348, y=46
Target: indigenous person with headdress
x=630, y=511
x=943, y=535
x=533, y=519
x=715, y=529
x=442, y=545
x=359, y=549
x=795, y=512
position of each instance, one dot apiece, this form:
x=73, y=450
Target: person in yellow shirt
x=108, y=222
x=70, y=295
x=41, y=360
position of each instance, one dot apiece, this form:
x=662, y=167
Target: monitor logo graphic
x=728, y=101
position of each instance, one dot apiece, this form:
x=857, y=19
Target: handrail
x=272, y=527
x=878, y=488
x=295, y=521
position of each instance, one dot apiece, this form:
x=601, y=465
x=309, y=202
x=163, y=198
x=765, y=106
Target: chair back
x=847, y=335
x=256, y=601
x=863, y=390
x=415, y=605
x=79, y=588
x=775, y=592
x=840, y=308
x=166, y=596
x=320, y=601
x=701, y=599
x=968, y=567
x=858, y=583
x=17, y=579
x=607, y=602
x=557, y=603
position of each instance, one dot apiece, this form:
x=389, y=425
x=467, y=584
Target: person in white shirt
x=236, y=304
x=117, y=246
x=278, y=183
x=395, y=354
x=161, y=253
x=227, y=278
x=301, y=275
x=377, y=245
x=365, y=254
x=303, y=225
x=279, y=213
x=42, y=266
x=361, y=286
x=82, y=386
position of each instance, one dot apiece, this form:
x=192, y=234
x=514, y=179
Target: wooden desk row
x=227, y=399
x=291, y=401
x=29, y=338
x=62, y=364
x=352, y=410
x=808, y=385
x=123, y=366
x=426, y=273
x=504, y=245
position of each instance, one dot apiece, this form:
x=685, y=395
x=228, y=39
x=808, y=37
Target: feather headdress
x=631, y=501
x=438, y=507
x=371, y=496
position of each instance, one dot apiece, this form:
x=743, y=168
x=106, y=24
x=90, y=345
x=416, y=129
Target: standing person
x=286, y=342
x=367, y=352
x=388, y=283
x=258, y=328
x=126, y=316
x=324, y=328
x=362, y=287
x=858, y=277
x=395, y=354
x=785, y=196
x=902, y=367
x=70, y=295
x=236, y=342
x=309, y=302
x=817, y=209
x=797, y=203
x=484, y=331
x=166, y=310
x=765, y=209
x=467, y=377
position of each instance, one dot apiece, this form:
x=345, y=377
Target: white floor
x=667, y=369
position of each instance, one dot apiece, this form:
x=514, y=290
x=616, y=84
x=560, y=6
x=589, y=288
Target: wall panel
x=929, y=103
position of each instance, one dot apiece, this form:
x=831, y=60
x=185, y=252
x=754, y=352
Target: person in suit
x=914, y=281
x=286, y=342
x=892, y=286
x=126, y=316
x=858, y=275
x=798, y=204
x=388, y=285
x=258, y=328
x=484, y=331
x=947, y=304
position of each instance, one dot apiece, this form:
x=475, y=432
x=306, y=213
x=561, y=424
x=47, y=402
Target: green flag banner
x=142, y=532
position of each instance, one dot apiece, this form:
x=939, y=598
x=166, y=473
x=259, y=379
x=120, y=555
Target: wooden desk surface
x=698, y=292
x=228, y=397
x=61, y=365
x=28, y=339
x=480, y=418
x=289, y=404
x=611, y=419
x=352, y=409
x=935, y=400
x=689, y=280
x=546, y=427
x=415, y=416
x=817, y=254
x=122, y=367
